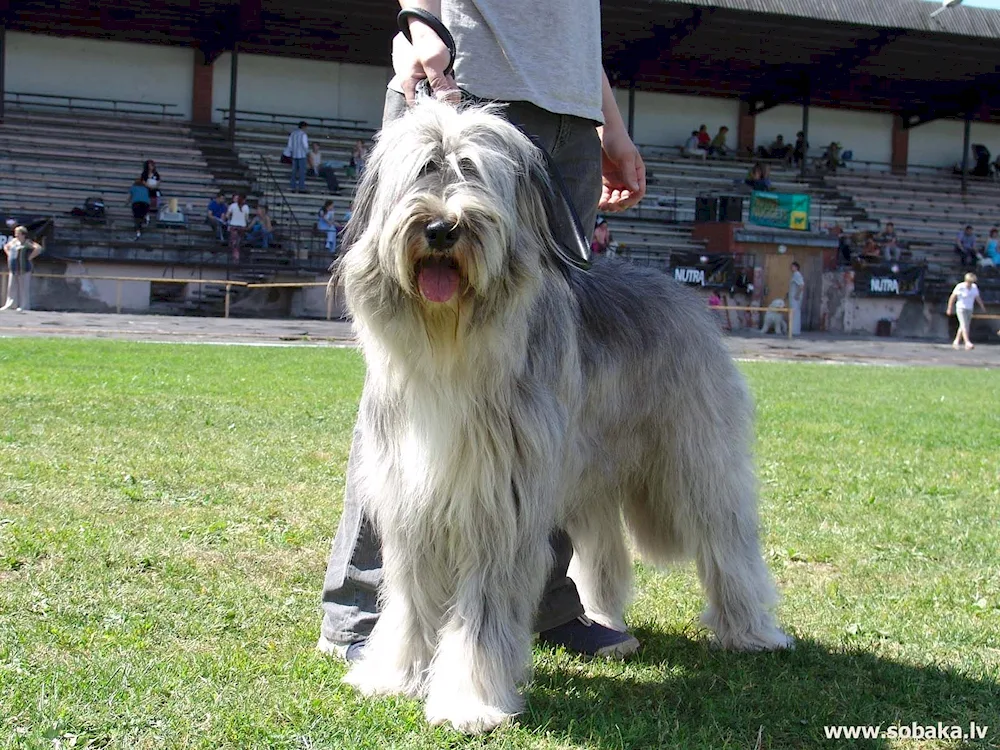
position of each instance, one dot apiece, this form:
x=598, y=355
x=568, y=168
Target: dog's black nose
x=440, y=235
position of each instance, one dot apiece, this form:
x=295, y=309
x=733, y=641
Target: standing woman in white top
x=238, y=218
x=963, y=300
x=20, y=252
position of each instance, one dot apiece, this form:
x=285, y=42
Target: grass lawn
x=166, y=511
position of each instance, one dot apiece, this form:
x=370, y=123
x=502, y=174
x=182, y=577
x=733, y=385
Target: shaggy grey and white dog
x=774, y=318
x=505, y=396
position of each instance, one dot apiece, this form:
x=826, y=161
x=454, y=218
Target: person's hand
x=623, y=173
x=950, y=312
x=426, y=58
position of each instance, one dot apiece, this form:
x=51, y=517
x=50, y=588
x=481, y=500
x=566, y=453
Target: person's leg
x=576, y=152
x=302, y=164
x=965, y=323
x=25, y=291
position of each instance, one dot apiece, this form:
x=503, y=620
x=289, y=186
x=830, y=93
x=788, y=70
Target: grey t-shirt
x=547, y=52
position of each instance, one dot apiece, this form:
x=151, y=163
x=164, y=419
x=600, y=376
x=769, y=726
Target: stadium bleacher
x=53, y=161
x=56, y=160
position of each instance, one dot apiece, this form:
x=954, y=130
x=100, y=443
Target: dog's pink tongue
x=438, y=281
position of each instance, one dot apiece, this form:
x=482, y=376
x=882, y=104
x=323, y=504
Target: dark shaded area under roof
x=883, y=55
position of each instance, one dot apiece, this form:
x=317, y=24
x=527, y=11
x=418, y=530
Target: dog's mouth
x=438, y=277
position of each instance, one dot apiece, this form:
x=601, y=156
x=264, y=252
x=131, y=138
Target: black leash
x=581, y=257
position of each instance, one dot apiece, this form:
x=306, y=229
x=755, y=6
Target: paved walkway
x=266, y=332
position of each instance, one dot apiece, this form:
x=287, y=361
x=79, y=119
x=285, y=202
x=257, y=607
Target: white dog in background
x=774, y=319
x=507, y=395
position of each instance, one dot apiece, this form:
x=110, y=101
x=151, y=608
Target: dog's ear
x=364, y=202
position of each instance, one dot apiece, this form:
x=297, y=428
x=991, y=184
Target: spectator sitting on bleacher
x=889, y=243
x=151, y=179
x=718, y=145
x=691, y=148
x=965, y=246
x=831, y=158
x=138, y=199
x=238, y=218
x=704, y=139
x=216, y=215
x=777, y=150
x=325, y=170
x=359, y=155
x=326, y=221
x=261, y=232
x=800, y=149
x=297, y=150
x=758, y=177
x=844, y=248
x=991, y=253
x=602, y=237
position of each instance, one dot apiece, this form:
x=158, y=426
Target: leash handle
x=428, y=18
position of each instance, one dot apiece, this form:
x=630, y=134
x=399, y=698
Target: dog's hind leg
x=601, y=567
x=721, y=527
x=485, y=646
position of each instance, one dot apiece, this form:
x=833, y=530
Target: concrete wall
x=939, y=143
x=302, y=88
x=102, y=69
x=842, y=312
x=668, y=119
x=868, y=135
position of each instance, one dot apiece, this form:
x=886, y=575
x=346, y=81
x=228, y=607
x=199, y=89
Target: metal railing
x=272, y=118
x=90, y=104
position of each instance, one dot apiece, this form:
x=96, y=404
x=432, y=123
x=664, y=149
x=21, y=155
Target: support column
x=201, y=90
x=233, y=70
x=806, y=101
x=3, y=65
x=746, y=130
x=900, y=145
x=965, y=151
x=631, y=108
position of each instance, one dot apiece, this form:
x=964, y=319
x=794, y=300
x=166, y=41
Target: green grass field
x=166, y=511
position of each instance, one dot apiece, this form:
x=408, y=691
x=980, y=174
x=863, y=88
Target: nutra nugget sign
x=889, y=281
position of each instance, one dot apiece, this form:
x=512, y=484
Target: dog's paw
x=372, y=679
x=466, y=715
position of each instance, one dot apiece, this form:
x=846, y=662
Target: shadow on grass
x=705, y=698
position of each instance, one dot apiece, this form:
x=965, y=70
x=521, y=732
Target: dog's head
x=776, y=303
x=449, y=219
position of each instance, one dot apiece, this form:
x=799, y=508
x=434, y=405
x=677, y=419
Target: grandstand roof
x=902, y=14
x=883, y=55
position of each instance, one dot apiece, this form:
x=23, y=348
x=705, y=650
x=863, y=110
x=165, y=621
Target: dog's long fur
x=774, y=320
x=535, y=398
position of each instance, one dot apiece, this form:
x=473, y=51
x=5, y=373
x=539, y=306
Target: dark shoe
x=584, y=636
x=354, y=651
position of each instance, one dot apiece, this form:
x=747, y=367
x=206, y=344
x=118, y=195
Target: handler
x=543, y=59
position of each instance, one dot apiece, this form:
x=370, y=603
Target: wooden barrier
x=228, y=284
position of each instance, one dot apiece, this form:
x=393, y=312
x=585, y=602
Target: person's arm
x=36, y=250
x=951, y=304
x=623, y=173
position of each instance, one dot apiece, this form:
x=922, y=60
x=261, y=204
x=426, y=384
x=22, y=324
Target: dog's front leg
x=398, y=651
x=485, y=646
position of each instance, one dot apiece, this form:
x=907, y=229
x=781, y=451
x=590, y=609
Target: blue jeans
x=298, y=181
x=258, y=235
x=354, y=570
